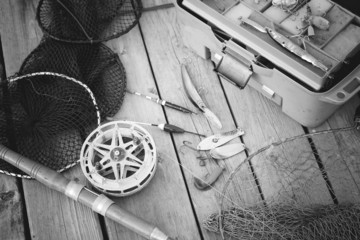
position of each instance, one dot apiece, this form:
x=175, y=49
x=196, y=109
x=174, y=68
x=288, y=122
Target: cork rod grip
x=98, y=203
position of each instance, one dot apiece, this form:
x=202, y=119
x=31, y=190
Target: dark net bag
x=95, y=65
x=87, y=21
x=46, y=116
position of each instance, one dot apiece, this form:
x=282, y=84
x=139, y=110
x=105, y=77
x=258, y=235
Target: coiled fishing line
x=119, y=158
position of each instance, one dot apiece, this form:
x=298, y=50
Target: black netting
x=87, y=21
x=46, y=117
x=95, y=65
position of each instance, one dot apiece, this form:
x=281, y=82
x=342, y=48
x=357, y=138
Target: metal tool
x=209, y=179
x=165, y=127
x=219, y=139
x=286, y=43
x=227, y=151
x=78, y=192
x=196, y=99
x=162, y=102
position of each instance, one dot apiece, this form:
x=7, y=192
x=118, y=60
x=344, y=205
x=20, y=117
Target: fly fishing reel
x=119, y=158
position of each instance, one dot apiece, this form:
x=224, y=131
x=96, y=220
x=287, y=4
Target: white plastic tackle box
x=230, y=33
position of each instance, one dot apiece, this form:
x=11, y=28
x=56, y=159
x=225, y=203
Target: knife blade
x=195, y=98
x=219, y=139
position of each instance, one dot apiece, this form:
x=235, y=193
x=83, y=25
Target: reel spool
x=119, y=158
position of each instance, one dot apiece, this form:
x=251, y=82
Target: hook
x=188, y=145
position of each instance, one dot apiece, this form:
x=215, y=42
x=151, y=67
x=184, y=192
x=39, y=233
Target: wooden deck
x=152, y=53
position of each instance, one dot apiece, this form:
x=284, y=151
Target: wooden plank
x=50, y=214
x=20, y=32
x=264, y=123
x=165, y=41
x=285, y=166
x=11, y=210
x=164, y=202
x=339, y=153
x=11, y=204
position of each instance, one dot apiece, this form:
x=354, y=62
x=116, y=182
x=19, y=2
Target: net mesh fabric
x=281, y=191
x=45, y=117
x=84, y=21
x=95, y=65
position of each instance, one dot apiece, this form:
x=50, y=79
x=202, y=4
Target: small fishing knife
x=219, y=139
x=196, y=99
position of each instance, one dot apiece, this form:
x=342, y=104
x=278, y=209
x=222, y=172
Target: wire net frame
x=96, y=65
x=87, y=21
x=289, y=177
x=45, y=116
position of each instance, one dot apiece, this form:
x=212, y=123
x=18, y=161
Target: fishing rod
x=78, y=192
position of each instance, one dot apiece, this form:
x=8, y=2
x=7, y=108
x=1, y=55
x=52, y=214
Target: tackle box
x=219, y=30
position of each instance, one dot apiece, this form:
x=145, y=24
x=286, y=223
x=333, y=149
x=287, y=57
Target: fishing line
x=47, y=95
x=220, y=214
x=195, y=176
x=221, y=194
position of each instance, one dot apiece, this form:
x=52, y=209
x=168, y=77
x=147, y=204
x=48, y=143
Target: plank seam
x=172, y=140
x=321, y=167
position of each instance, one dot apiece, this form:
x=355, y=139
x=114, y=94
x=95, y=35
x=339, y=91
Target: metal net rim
x=15, y=78
x=89, y=41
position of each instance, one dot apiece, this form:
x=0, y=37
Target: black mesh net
x=46, y=117
x=95, y=65
x=87, y=21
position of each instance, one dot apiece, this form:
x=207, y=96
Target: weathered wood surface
x=340, y=153
x=165, y=44
x=12, y=15
x=152, y=54
x=164, y=201
x=51, y=215
x=11, y=209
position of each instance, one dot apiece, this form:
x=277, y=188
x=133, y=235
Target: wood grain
x=50, y=214
x=11, y=204
x=11, y=210
x=339, y=153
x=165, y=42
x=164, y=202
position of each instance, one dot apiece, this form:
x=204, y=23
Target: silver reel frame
x=119, y=158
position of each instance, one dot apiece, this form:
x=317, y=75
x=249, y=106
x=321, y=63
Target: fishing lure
x=285, y=4
x=313, y=20
x=196, y=99
x=292, y=47
x=219, y=139
x=227, y=151
x=209, y=179
x=320, y=22
x=286, y=43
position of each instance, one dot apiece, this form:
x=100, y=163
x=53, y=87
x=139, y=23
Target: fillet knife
x=196, y=99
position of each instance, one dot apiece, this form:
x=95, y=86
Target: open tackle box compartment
x=243, y=55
